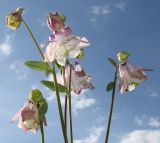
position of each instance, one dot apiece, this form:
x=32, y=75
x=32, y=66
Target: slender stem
x=42, y=131
x=33, y=38
x=111, y=106
x=59, y=105
x=70, y=106
x=66, y=101
x=65, y=112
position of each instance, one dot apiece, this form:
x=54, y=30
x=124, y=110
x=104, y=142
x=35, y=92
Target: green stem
x=111, y=106
x=70, y=106
x=59, y=105
x=42, y=131
x=66, y=99
x=33, y=38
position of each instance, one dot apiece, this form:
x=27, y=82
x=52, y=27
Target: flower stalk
x=59, y=105
x=70, y=105
x=111, y=105
x=66, y=99
x=42, y=130
x=33, y=38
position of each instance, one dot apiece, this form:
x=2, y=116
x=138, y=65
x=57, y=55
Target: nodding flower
x=14, y=19
x=79, y=79
x=131, y=76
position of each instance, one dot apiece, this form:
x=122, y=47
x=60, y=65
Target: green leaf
x=50, y=85
x=37, y=65
x=113, y=62
x=47, y=72
x=110, y=86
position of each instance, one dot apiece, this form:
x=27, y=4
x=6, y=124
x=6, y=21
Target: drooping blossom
x=55, y=21
x=33, y=110
x=131, y=76
x=14, y=19
x=28, y=118
x=64, y=44
x=79, y=79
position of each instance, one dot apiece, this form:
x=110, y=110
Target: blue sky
x=110, y=26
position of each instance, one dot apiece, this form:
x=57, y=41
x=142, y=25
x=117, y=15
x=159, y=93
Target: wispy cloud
x=101, y=9
x=94, y=135
x=18, y=69
x=152, y=92
x=6, y=46
x=121, y=5
x=141, y=136
x=154, y=122
x=144, y=120
x=79, y=102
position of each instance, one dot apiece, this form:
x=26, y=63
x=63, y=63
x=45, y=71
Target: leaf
x=112, y=62
x=110, y=86
x=37, y=65
x=50, y=85
x=47, y=72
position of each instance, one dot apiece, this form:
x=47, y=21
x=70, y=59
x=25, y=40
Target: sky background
x=110, y=26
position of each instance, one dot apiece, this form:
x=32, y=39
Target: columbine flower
x=32, y=112
x=64, y=44
x=79, y=79
x=28, y=117
x=55, y=21
x=131, y=76
x=14, y=19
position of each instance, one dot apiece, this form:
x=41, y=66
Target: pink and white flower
x=55, y=21
x=79, y=79
x=28, y=117
x=64, y=44
x=131, y=76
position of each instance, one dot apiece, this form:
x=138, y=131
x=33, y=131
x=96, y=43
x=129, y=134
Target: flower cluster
x=62, y=43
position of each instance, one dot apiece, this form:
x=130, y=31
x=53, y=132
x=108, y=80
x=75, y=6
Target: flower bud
x=35, y=96
x=122, y=56
x=55, y=21
x=14, y=19
x=81, y=54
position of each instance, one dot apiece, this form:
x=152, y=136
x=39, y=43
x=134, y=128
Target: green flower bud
x=122, y=56
x=14, y=19
x=35, y=96
x=81, y=54
x=62, y=18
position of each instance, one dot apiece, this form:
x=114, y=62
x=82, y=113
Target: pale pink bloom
x=28, y=117
x=55, y=21
x=79, y=79
x=131, y=76
x=64, y=44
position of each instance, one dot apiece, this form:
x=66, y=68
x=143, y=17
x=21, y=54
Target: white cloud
x=154, y=122
x=121, y=5
x=139, y=120
x=154, y=94
x=6, y=47
x=18, y=69
x=101, y=9
x=141, y=136
x=94, y=135
x=79, y=102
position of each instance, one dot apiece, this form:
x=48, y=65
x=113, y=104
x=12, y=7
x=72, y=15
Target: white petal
x=74, y=53
x=61, y=60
